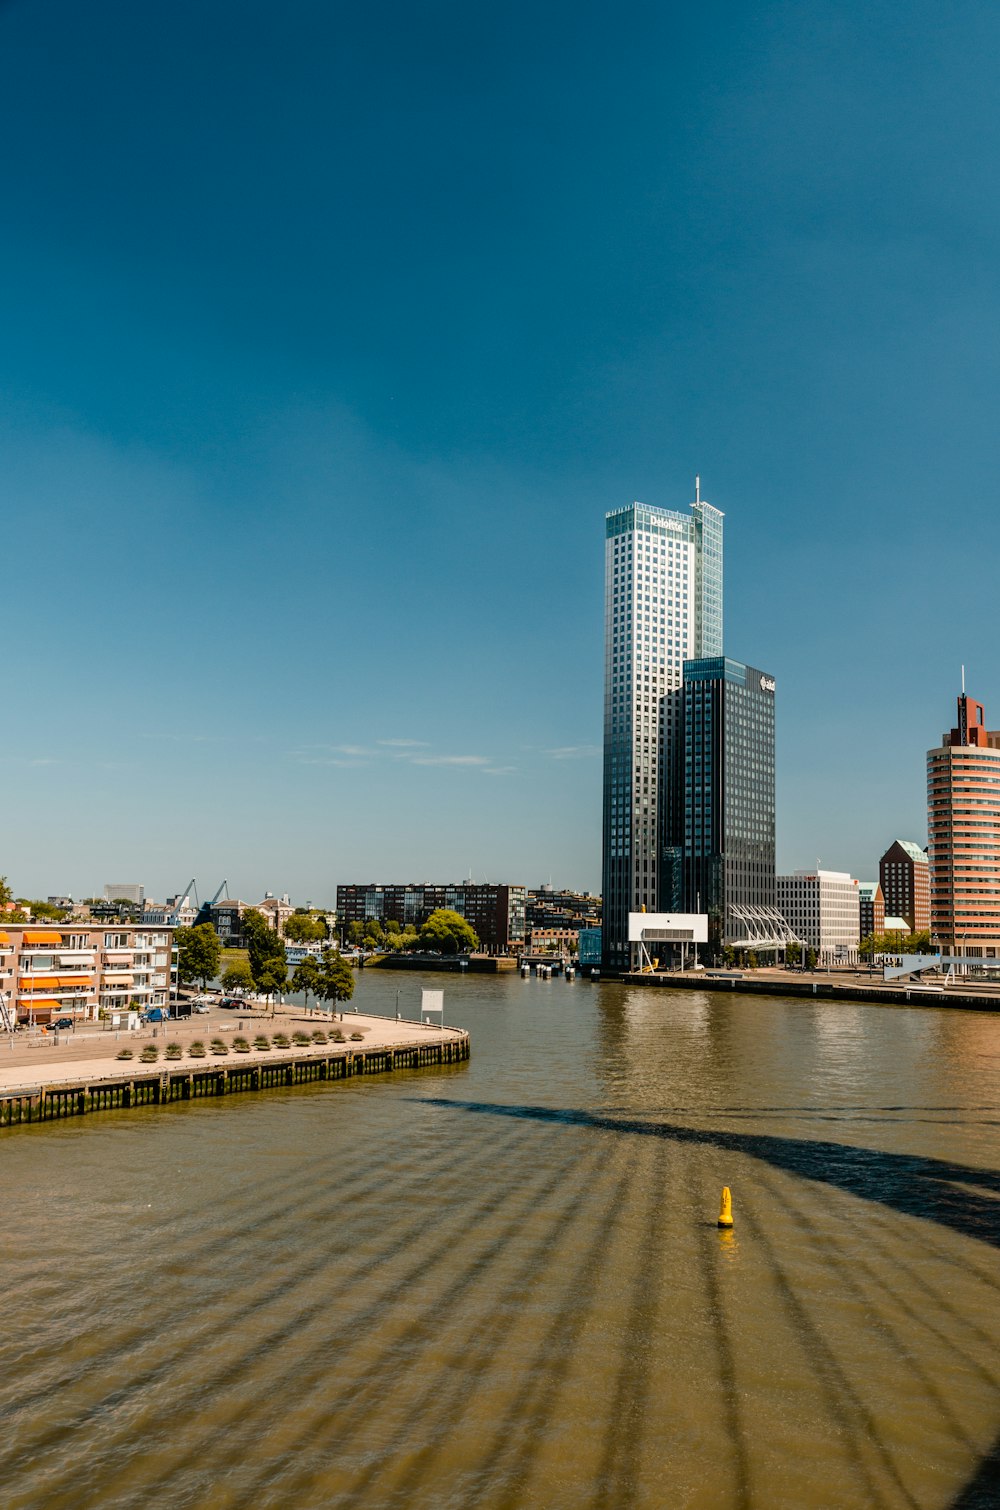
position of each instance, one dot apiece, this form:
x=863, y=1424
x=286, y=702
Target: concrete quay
x=41, y=1083
x=845, y=986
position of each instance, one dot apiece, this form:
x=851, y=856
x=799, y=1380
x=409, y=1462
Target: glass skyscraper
x=724, y=769
x=662, y=606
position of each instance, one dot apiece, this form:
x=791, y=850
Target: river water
x=501, y=1284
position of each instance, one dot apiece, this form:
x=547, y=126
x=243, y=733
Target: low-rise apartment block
x=76, y=969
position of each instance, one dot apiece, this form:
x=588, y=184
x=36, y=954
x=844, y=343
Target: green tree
x=306, y=977
x=237, y=977
x=265, y=948
x=43, y=910
x=752, y=960
x=392, y=926
x=272, y=980
x=336, y=978
x=374, y=936
x=304, y=928
x=793, y=953
x=447, y=932
x=355, y=933
x=199, y=954
x=810, y=959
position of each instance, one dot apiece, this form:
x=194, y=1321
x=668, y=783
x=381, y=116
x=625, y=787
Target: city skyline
x=325, y=344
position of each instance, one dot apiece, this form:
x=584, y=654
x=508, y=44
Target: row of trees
x=265, y=970
x=896, y=943
x=445, y=932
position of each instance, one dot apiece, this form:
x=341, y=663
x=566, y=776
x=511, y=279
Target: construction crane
x=205, y=911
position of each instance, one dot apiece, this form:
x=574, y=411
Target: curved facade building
x=963, y=820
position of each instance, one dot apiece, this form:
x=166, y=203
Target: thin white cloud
x=498, y=770
x=572, y=752
x=472, y=760
x=404, y=744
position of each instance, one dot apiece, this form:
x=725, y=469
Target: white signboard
x=431, y=1001
x=668, y=927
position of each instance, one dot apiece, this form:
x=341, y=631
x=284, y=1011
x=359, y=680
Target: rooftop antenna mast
x=963, y=681
x=697, y=489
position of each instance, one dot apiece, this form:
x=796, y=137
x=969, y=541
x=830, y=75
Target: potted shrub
x=261, y=1042
x=219, y=1046
x=149, y=1054
x=174, y=1051
x=197, y=1049
x=281, y=1041
x=124, y=1054
x=240, y=1046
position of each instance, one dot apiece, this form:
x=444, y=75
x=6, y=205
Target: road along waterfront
x=501, y=1282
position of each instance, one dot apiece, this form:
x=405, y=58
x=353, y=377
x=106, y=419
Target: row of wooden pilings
x=48, y=1103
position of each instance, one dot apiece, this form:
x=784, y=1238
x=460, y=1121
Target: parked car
x=62, y=1022
x=200, y=1006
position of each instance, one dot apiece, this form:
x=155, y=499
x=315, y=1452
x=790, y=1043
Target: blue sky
x=329, y=333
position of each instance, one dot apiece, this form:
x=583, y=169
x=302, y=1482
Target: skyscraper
x=662, y=605
x=722, y=803
x=963, y=821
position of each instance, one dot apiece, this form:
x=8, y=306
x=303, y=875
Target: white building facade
x=662, y=606
x=823, y=909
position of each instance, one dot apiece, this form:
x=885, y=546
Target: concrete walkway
x=91, y=1055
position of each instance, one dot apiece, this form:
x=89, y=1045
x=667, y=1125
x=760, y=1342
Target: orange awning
x=4, y=937
x=42, y=1001
x=41, y=936
x=73, y=980
x=39, y=982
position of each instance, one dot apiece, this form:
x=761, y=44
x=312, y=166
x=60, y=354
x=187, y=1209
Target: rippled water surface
x=501, y=1283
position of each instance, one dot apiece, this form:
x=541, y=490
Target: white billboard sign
x=668, y=927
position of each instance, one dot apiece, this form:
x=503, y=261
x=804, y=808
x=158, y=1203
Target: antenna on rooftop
x=963, y=681
x=697, y=489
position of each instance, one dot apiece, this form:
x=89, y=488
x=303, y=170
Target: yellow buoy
x=726, y=1208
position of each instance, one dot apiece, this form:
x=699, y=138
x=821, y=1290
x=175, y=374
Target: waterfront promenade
x=89, y=1056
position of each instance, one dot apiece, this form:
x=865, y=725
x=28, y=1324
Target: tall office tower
x=724, y=816
x=662, y=605
x=904, y=876
x=963, y=821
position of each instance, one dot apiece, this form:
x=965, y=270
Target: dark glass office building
x=719, y=831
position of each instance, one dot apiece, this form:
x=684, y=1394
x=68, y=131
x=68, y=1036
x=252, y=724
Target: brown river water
x=501, y=1283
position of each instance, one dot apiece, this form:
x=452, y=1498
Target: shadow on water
x=935, y=1190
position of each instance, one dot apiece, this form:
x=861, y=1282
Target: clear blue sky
x=329, y=333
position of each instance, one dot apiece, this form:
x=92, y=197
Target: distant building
x=872, y=908
x=823, y=909
x=277, y=910
x=548, y=907
x=904, y=874
x=74, y=969
x=494, y=911
x=963, y=819
x=589, y=946
x=66, y=902
x=552, y=940
x=127, y=891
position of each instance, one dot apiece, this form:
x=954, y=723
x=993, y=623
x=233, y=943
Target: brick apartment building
x=872, y=906
x=494, y=911
x=74, y=969
x=904, y=875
